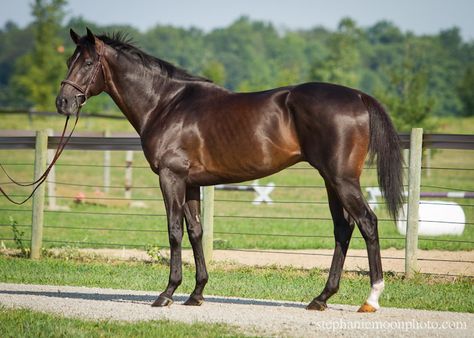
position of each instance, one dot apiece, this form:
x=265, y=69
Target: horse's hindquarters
x=333, y=127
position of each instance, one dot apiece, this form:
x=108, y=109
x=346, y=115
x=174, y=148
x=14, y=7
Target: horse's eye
x=88, y=63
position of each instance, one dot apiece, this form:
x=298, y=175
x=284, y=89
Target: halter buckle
x=83, y=101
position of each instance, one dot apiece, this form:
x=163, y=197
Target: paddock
x=265, y=222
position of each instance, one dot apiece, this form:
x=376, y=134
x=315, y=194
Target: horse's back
x=326, y=99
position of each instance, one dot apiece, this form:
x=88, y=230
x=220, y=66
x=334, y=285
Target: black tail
x=385, y=146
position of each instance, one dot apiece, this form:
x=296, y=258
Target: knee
x=175, y=236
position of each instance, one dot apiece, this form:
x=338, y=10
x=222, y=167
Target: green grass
x=233, y=228
x=57, y=123
x=422, y=292
x=25, y=323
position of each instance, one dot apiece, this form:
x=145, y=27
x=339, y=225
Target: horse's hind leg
x=343, y=227
x=194, y=227
x=350, y=194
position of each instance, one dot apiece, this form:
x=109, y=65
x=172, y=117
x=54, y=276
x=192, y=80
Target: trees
x=244, y=48
x=341, y=63
x=406, y=93
x=14, y=43
x=39, y=72
x=466, y=92
x=215, y=71
x=400, y=68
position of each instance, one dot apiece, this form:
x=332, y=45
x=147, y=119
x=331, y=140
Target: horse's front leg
x=173, y=188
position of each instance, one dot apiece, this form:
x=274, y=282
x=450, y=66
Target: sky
x=418, y=16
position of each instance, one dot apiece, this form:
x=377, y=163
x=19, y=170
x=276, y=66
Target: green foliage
x=466, y=91
x=156, y=254
x=14, y=43
x=38, y=72
x=183, y=47
x=430, y=73
x=406, y=93
x=343, y=58
x=18, y=238
x=215, y=71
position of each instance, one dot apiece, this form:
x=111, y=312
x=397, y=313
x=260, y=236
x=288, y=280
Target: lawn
x=421, y=292
x=26, y=323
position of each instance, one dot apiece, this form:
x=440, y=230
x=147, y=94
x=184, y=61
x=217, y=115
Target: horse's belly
x=243, y=165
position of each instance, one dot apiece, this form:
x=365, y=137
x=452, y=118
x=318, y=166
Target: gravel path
x=261, y=317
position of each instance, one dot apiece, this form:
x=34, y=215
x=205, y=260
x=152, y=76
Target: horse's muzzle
x=69, y=106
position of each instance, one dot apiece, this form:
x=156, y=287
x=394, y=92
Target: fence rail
x=130, y=142
x=14, y=139
x=30, y=113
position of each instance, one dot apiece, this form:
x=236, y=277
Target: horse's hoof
x=194, y=300
x=317, y=305
x=367, y=308
x=162, y=301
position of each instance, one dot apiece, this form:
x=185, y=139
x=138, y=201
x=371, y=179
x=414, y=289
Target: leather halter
x=84, y=91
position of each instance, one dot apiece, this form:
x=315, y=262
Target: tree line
x=417, y=77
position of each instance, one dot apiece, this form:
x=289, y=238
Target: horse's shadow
x=147, y=299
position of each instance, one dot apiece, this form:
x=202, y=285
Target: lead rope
x=61, y=145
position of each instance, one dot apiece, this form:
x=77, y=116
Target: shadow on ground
x=148, y=299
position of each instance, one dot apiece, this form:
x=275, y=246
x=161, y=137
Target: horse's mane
x=123, y=43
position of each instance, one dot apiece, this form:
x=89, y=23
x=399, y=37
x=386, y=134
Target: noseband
x=83, y=91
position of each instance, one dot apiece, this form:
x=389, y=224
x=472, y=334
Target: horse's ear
x=90, y=36
x=74, y=36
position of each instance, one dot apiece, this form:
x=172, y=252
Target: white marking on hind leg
x=377, y=289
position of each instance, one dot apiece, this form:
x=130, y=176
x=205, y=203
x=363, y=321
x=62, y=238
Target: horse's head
x=85, y=77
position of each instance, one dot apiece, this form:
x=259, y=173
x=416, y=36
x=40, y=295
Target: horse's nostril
x=61, y=102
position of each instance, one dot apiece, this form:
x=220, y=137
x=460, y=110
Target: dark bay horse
x=195, y=133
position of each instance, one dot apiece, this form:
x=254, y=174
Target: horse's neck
x=138, y=92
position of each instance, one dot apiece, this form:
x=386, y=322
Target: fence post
x=208, y=222
x=414, y=181
x=106, y=165
x=128, y=174
x=41, y=154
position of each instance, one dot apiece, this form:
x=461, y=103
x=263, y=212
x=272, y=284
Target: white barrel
x=436, y=218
